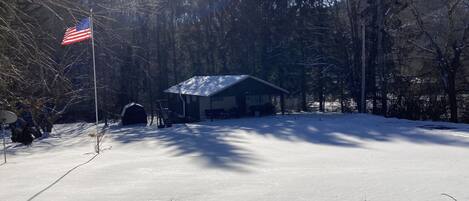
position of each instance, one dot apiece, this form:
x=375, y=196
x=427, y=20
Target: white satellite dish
x=7, y=117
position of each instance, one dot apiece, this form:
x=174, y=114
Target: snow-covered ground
x=281, y=158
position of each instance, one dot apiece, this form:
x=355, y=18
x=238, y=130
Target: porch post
x=282, y=103
x=211, y=109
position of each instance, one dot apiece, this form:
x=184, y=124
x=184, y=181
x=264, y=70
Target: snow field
x=294, y=157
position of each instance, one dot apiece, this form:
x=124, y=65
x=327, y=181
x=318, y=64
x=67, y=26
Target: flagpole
x=95, y=87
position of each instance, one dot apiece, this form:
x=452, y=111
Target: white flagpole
x=4, y=143
x=95, y=87
x=363, y=93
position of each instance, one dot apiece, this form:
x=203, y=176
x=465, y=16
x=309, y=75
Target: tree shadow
x=218, y=143
x=213, y=145
x=223, y=143
x=348, y=131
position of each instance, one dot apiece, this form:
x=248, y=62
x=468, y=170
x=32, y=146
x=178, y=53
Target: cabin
x=225, y=96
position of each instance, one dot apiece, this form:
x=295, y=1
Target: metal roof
x=211, y=85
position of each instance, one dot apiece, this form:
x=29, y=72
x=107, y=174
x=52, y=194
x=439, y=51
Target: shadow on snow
x=218, y=143
x=349, y=130
x=209, y=143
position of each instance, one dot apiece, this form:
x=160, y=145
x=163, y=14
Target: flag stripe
x=78, y=38
x=71, y=35
x=78, y=35
x=76, y=32
x=74, y=41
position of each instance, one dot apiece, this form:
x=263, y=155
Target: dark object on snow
x=436, y=127
x=29, y=126
x=43, y=121
x=269, y=109
x=163, y=115
x=35, y=132
x=21, y=132
x=133, y=113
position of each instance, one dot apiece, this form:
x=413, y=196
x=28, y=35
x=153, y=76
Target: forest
x=415, y=53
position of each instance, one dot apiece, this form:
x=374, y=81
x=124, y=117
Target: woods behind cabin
x=416, y=55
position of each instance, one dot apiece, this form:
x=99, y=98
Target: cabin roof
x=211, y=85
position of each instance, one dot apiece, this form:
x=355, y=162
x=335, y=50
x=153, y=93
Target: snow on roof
x=206, y=85
x=210, y=85
x=128, y=106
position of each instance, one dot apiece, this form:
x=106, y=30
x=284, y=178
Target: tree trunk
x=352, y=12
x=381, y=57
x=452, y=97
x=304, y=104
x=321, y=98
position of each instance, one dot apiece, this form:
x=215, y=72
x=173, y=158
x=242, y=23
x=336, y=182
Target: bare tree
x=446, y=42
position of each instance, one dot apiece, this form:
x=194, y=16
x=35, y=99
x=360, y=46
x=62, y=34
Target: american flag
x=81, y=32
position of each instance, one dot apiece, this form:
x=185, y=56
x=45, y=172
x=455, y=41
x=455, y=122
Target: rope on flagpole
x=95, y=87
